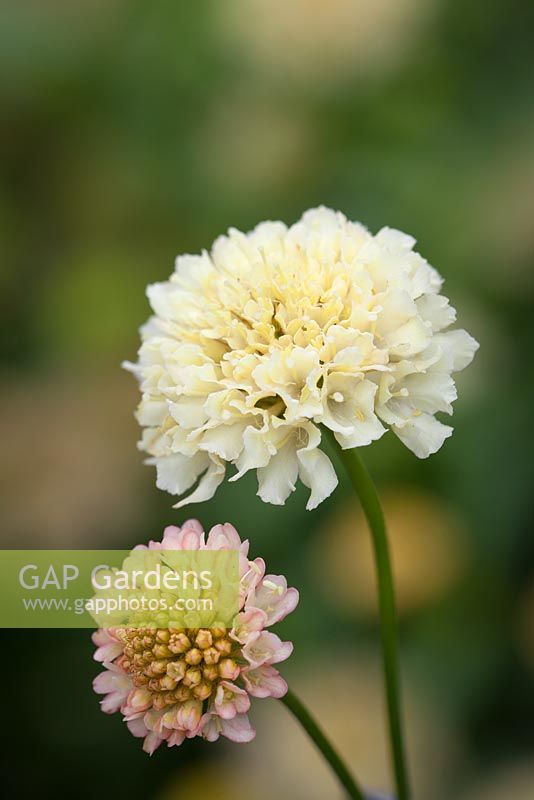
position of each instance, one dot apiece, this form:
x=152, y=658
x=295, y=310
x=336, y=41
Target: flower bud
x=188, y=715
x=193, y=656
x=167, y=683
x=202, y=691
x=210, y=672
x=228, y=669
x=224, y=646
x=158, y=667
x=182, y=693
x=211, y=655
x=176, y=669
x=192, y=677
x=204, y=639
x=179, y=643
x=159, y=702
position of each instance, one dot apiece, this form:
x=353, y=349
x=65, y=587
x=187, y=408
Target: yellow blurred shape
x=205, y=781
x=427, y=546
x=316, y=41
x=525, y=628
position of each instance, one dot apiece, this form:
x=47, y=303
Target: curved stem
x=366, y=490
x=317, y=736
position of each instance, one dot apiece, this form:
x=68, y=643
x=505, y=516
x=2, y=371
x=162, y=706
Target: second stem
x=366, y=490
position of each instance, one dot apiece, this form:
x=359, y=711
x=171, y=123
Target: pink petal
x=112, y=702
x=191, y=539
x=170, y=539
x=210, y=727
x=138, y=700
x=273, y=596
x=251, y=573
x=137, y=727
x=225, y=537
x=283, y=651
x=250, y=621
x=176, y=738
x=265, y=681
x=238, y=729
x=108, y=648
x=189, y=715
x=104, y=682
x=152, y=742
x=231, y=700
x=194, y=524
x=115, y=685
x=266, y=648
x=154, y=721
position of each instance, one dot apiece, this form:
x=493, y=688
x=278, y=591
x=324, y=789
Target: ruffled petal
x=278, y=479
x=423, y=434
x=177, y=473
x=317, y=473
x=458, y=348
x=207, y=486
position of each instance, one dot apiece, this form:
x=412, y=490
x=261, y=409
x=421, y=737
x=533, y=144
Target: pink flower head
x=173, y=684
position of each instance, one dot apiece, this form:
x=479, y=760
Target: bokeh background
x=133, y=131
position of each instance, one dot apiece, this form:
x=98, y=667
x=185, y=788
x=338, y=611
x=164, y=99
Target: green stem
x=319, y=739
x=366, y=490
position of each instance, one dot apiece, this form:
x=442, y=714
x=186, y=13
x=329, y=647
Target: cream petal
x=424, y=278
x=177, y=473
x=409, y=339
x=435, y=308
x=431, y=391
x=395, y=309
x=423, y=434
x=152, y=413
x=394, y=240
x=193, y=269
x=162, y=298
x=257, y=451
x=225, y=441
x=188, y=411
x=339, y=405
x=362, y=426
x=365, y=431
x=278, y=479
x=317, y=473
x=458, y=349
x=207, y=486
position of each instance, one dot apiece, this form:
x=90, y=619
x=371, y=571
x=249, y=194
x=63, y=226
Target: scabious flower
x=275, y=332
x=171, y=684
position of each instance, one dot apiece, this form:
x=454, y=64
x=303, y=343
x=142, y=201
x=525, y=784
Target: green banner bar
x=118, y=588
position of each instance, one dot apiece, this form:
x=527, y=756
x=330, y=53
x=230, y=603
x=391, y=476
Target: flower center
x=178, y=664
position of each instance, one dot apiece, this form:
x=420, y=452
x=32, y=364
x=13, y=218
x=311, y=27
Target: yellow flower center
x=178, y=664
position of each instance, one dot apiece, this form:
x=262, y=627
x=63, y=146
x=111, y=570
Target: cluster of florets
x=175, y=683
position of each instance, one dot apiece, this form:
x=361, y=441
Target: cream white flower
x=275, y=332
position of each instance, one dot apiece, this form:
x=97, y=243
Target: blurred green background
x=133, y=131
